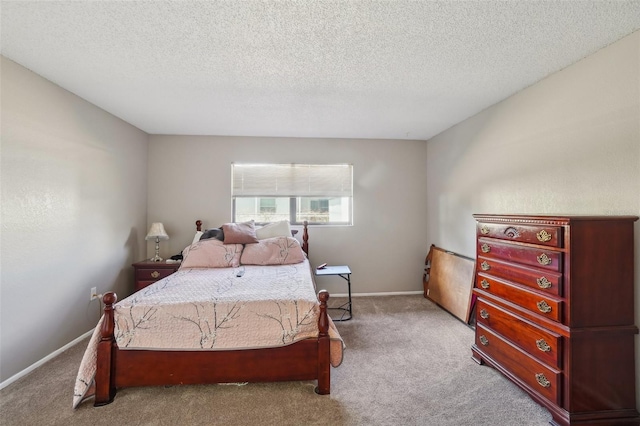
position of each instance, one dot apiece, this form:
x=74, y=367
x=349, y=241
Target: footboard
x=307, y=359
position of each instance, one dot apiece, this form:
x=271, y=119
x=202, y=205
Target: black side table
x=345, y=273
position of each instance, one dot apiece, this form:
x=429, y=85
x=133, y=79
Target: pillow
x=240, y=233
x=196, y=238
x=211, y=253
x=213, y=233
x=275, y=229
x=273, y=251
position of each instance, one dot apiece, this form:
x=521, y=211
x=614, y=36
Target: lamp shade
x=157, y=231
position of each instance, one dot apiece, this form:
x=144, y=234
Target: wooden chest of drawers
x=555, y=312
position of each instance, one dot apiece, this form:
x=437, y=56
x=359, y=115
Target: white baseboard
x=387, y=293
x=43, y=360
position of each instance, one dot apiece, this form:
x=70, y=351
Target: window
x=319, y=194
x=267, y=205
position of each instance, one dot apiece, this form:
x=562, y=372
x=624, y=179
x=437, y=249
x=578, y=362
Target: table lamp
x=157, y=231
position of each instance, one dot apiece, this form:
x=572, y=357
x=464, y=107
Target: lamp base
x=157, y=257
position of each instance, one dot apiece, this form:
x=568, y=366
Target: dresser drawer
x=545, y=235
x=537, y=341
x=537, y=376
x=548, y=282
x=540, y=258
x=540, y=304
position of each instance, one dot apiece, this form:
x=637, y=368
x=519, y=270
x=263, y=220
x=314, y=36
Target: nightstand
x=148, y=272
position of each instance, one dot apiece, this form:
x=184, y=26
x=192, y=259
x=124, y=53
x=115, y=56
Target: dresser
x=555, y=312
x=148, y=272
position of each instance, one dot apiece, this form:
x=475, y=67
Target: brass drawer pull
x=544, y=307
x=543, y=236
x=543, y=346
x=484, y=314
x=543, y=259
x=486, y=248
x=542, y=380
x=483, y=340
x=485, y=266
x=484, y=230
x=543, y=282
x=155, y=274
x=484, y=284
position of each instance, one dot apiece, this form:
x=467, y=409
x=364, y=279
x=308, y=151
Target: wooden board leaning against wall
x=448, y=281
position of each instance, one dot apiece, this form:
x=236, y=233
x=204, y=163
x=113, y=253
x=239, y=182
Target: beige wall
x=190, y=178
x=568, y=145
x=74, y=181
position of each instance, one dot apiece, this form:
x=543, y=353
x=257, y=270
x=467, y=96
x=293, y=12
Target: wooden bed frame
x=304, y=360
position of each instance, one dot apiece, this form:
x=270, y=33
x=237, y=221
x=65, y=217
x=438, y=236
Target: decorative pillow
x=211, y=253
x=213, y=233
x=273, y=251
x=275, y=229
x=240, y=233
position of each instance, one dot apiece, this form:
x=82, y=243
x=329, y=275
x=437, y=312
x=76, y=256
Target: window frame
x=294, y=201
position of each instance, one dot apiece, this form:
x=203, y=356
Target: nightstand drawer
x=153, y=274
x=148, y=272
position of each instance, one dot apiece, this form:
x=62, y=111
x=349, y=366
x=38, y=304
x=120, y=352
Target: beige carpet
x=407, y=363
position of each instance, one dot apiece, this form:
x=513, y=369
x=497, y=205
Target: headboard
x=305, y=234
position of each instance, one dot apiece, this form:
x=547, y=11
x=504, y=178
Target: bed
x=253, y=317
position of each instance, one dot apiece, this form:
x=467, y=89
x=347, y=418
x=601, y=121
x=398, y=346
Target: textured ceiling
x=348, y=69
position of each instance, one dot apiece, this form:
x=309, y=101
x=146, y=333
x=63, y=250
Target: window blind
x=292, y=180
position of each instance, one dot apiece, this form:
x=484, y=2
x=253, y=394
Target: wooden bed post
x=305, y=238
x=105, y=380
x=324, y=358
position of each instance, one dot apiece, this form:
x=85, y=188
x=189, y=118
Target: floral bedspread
x=215, y=309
